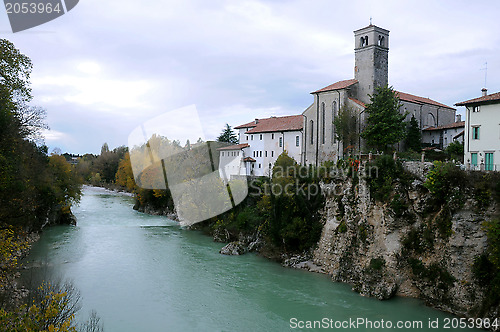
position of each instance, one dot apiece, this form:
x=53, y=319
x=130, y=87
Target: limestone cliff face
x=400, y=248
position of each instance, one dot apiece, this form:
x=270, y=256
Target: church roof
x=360, y=103
x=419, y=100
x=459, y=124
x=483, y=99
x=283, y=123
x=235, y=147
x=337, y=86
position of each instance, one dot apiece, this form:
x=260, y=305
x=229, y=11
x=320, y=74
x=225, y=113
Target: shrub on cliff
x=381, y=175
x=443, y=180
x=486, y=267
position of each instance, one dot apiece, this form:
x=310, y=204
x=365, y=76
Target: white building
x=260, y=143
x=482, y=132
x=442, y=136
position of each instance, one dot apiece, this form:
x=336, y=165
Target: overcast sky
x=105, y=67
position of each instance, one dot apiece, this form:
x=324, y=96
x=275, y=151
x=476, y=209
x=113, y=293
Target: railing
x=483, y=167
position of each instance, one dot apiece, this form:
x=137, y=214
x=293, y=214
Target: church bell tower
x=371, y=60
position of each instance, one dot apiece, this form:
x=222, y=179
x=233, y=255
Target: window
x=260, y=165
x=476, y=109
x=254, y=154
x=364, y=41
x=381, y=40
x=251, y=137
x=281, y=142
x=272, y=153
x=223, y=153
x=323, y=123
x=266, y=154
x=272, y=136
x=488, y=165
x=473, y=157
x=247, y=137
x=312, y=131
x=260, y=155
x=297, y=141
x=334, y=115
x=261, y=137
x=475, y=132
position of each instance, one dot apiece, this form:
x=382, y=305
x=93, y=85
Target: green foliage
x=295, y=199
x=433, y=273
x=342, y=227
x=398, y=205
x=455, y=150
x=376, y=264
x=385, y=124
x=228, y=135
x=442, y=179
x=486, y=267
x=346, y=127
x=381, y=174
x=413, y=136
x=33, y=185
x=362, y=233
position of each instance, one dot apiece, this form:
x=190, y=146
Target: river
x=146, y=273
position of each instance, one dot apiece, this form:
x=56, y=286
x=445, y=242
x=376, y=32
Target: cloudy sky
x=105, y=67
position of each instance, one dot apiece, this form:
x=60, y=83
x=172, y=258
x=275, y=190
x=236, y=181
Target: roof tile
x=337, y=86
x=490, y=97
x=283, y=123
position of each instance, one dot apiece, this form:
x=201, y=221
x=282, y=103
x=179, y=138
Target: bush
x=377, y=263
x=442, y=179
x=381, y=174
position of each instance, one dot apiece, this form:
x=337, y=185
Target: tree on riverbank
x=35, y=189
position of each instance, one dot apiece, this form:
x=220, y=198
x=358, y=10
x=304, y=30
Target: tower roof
x=371, y=27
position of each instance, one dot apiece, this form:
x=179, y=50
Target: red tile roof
x=246, y=125
x=448, y=126
x=250, y=159
x=358, y=102
x=483, y=99
x=235, y=147
x=337, y=86
x=283, y=123
x=419, y=100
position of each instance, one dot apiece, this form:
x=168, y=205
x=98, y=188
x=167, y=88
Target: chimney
x=256, y=121
x=484, y=91
x=459, y=118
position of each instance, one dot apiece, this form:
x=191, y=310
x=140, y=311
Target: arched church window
x=431, y=120
x=364, y=41
x=323, y=123
x=334, y=115
x=381, y=40
x=312, y=131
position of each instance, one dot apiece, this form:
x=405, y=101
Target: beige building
x=370, y=71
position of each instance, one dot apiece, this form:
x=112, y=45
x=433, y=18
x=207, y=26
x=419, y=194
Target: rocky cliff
x=406, y=244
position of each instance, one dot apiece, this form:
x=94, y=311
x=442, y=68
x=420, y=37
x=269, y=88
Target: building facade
x=370, y=71
x=260, y=143
x=442, y=136
x=482, y=132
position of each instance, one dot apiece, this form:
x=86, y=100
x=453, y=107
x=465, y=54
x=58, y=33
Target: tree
x=385, y=124
x=413, y=136
x=228, y=135
x=346, y=127
x=455, y=150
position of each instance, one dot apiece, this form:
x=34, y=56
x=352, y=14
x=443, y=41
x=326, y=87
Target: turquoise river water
x=146, y=273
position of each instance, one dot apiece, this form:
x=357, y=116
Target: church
x=371, y=50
